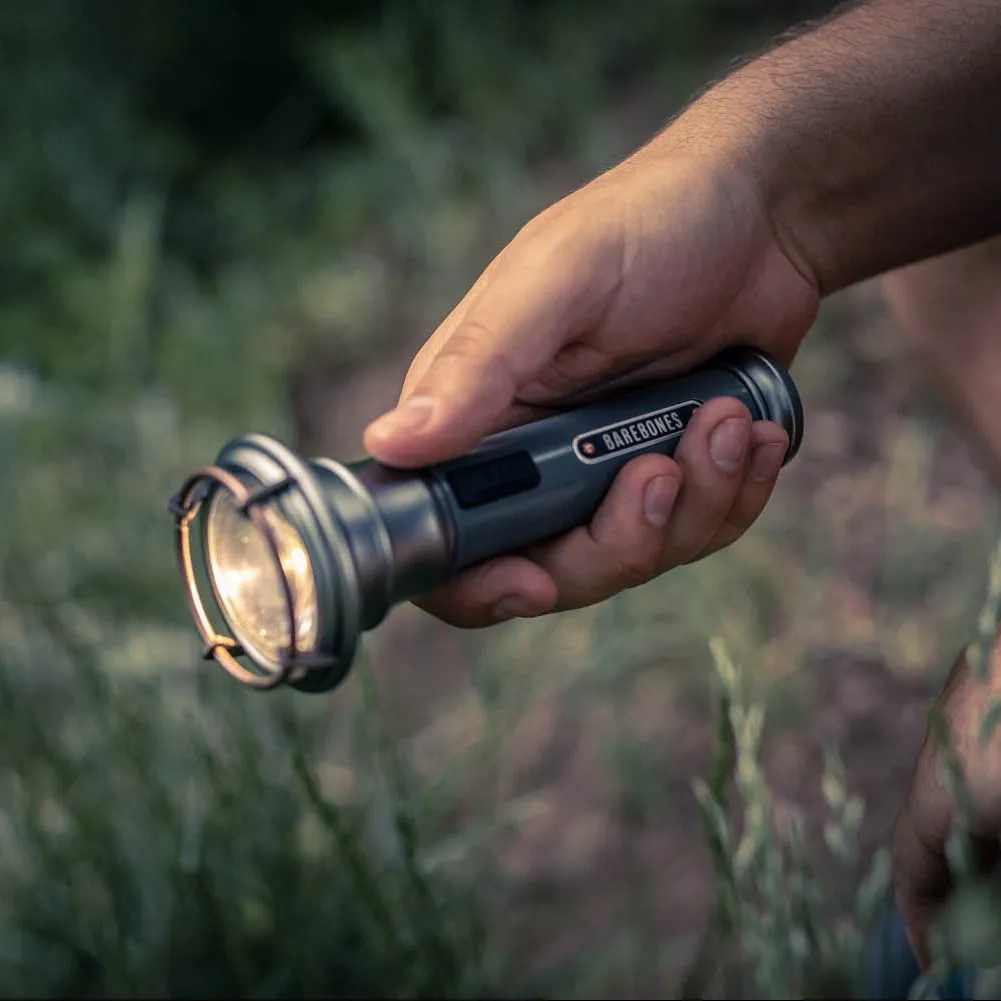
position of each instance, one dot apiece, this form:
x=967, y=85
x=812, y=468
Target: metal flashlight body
x=303, y=557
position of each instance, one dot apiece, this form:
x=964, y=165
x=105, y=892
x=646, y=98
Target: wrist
x=869, y=139
x=729, y=129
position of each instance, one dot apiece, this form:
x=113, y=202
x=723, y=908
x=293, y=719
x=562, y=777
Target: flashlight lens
x=246, y=582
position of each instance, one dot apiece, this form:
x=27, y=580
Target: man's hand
x=862, y=144
x=647, y=271
x=923, y=827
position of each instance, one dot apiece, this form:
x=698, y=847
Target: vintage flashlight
x=301, y=557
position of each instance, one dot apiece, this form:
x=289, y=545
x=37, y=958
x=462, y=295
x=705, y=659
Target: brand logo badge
x=634, y=434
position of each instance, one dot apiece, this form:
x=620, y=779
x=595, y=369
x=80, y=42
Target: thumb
x=922, y=879
x=921, y=883
x=540, y=295
x=458, y=399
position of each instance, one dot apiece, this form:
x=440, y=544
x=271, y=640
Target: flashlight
x=303, y=556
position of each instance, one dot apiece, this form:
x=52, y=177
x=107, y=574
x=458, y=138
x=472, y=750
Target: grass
x=165, y=834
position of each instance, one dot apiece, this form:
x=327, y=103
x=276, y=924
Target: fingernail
x=766, y=461
x=409, y=416
x=728, y=442
x=658, y=500
x=514, y=607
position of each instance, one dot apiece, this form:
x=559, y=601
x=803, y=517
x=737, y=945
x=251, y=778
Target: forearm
x=875, y=138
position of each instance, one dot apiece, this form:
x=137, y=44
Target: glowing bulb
x=246, y=581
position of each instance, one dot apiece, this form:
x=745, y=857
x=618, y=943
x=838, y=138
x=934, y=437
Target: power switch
x=493, y=479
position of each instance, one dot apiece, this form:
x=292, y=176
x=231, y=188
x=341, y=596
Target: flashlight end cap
x=772, y=385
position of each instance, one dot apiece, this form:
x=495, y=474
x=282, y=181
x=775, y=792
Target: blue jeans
x=891, y=968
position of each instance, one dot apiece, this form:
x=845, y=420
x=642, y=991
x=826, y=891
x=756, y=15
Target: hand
x=647, y=271
x=924, y=824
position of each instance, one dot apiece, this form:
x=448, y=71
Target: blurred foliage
x=198, y=198
x=265, y=133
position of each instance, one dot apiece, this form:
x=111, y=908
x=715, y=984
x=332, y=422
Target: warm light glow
x=247, y=584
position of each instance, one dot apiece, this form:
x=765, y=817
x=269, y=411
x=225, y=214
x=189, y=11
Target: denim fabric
x=891, y=968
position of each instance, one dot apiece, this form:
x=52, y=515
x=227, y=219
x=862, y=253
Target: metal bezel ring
x=225, y=649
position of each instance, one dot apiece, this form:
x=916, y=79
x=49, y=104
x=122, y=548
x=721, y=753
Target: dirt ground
x=883, y=470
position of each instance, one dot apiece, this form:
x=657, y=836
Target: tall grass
x=795, y=929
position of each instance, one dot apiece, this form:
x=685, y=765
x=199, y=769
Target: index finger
x=545, y=289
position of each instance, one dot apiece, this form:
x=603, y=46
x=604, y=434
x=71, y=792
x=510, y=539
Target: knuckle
x=471, y=340
x=541, y=222
x=742, y=515
x=636, y=565
x=573, y=368
x=476, y=346
x=438, y=605
x=726, y=536
x=709, y=515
